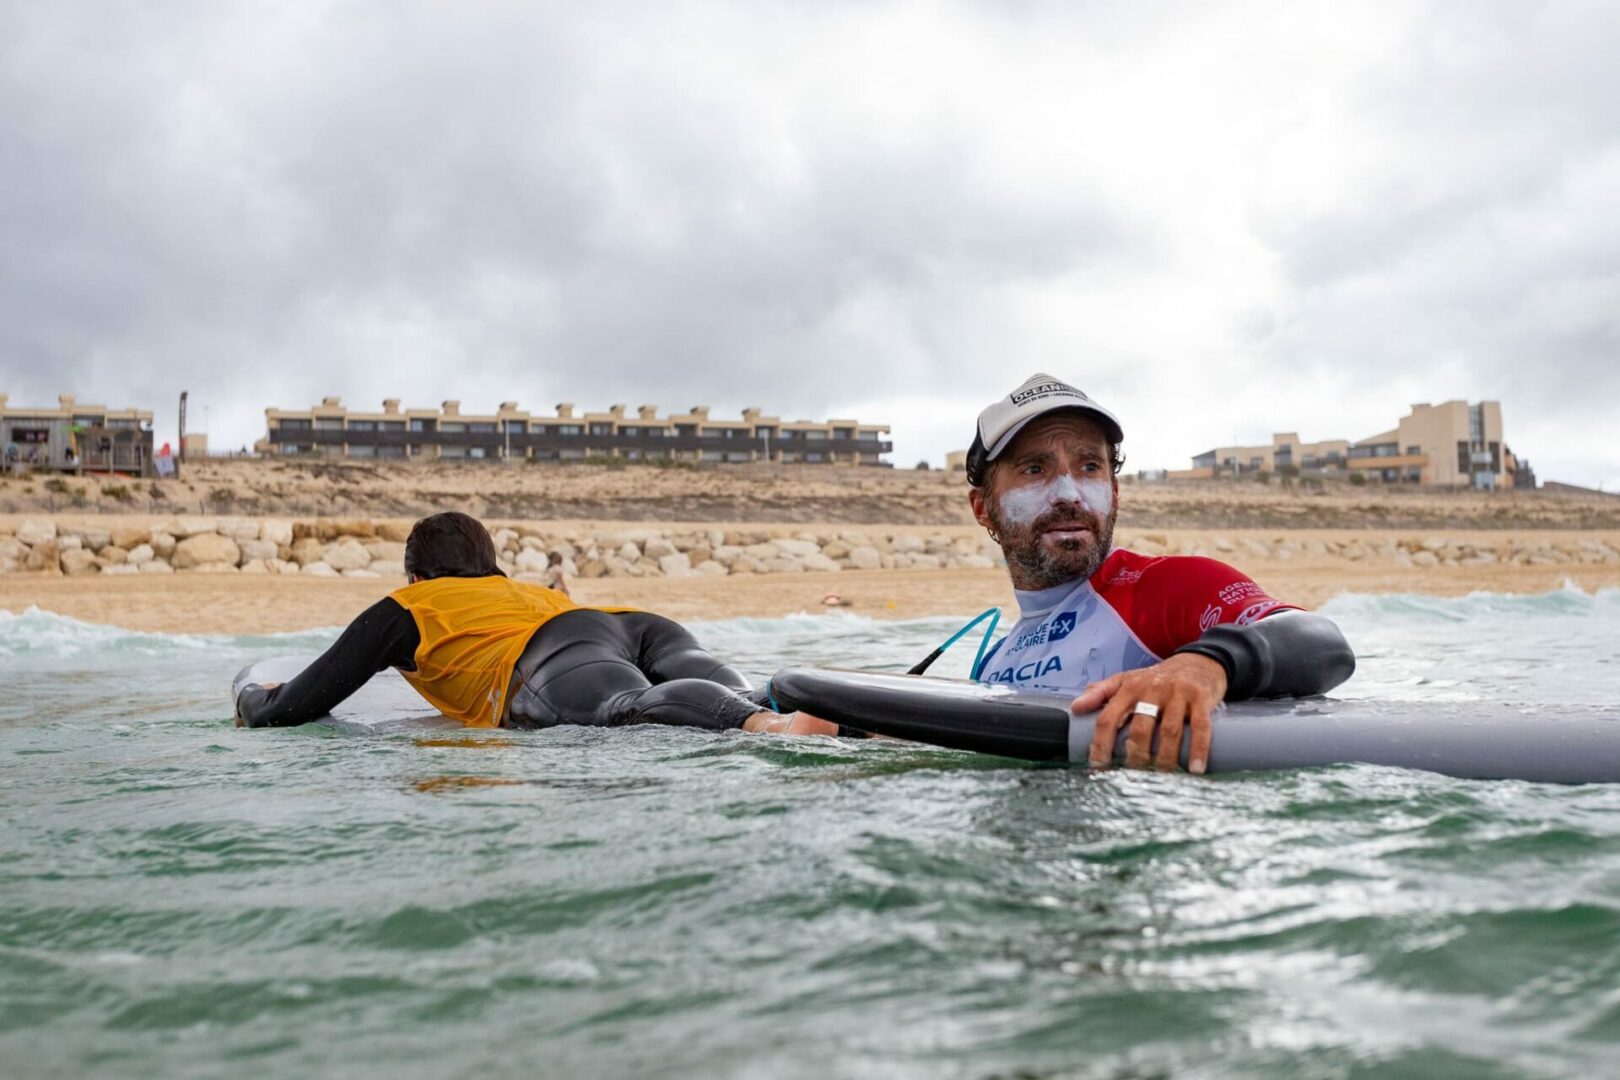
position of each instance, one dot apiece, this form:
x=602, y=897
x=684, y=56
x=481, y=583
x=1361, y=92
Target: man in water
x=1155, y=641
x=492, y=652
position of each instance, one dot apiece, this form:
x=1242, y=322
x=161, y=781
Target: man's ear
x=980, y=513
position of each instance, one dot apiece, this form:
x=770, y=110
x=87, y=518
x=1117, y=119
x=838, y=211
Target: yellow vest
x=473, y=631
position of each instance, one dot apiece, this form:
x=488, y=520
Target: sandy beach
x=243, y=604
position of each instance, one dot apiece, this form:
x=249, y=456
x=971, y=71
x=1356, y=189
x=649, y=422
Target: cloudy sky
x=1222, y=219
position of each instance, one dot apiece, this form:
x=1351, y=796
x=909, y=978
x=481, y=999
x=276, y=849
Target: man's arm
x=1254, y=646
x=1289, y=654
x=384, y=635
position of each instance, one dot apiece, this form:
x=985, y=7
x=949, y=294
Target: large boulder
x=130, y=537
x=237, y=528
x=675, y=564
x=279, y=533
x=12, y=548
x=45, y=555
x=78, y=561
x=261, y=550
x=318, y=569
x=113, y=555
x=307, y=550
x=532, y=561
x=156, y=567
x=659, y=547
x=386, y=550
x=397, y=531
x=796, y=549
x=347, y=554
x=33, y=531
x=819, y=562
x=205, y=549
x=865, y=558
x=140, y=553
x=183, y=528
x=163, y=543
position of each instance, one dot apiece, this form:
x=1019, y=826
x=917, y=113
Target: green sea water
x=180, y=898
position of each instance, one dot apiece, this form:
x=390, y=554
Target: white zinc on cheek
x=1097, y=496
x=1026, y=504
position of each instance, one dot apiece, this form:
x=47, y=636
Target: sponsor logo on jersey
x=1019, y=673
x=1255, y=611
x=1210, y=617
x=1238, y=591
x=1054, y=629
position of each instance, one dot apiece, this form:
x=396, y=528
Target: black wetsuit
x=581, y=667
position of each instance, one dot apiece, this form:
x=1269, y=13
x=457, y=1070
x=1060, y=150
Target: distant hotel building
x=331, y=430
x=1450, y=445
x=75, y=438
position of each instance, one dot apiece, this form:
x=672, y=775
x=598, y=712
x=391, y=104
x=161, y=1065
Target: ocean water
x=179, y=898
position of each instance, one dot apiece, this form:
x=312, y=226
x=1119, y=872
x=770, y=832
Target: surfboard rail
x=1563, y=744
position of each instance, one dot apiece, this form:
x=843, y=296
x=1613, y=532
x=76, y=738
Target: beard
x=1036, y=560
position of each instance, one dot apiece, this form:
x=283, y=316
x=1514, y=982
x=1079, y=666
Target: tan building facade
x=75, y=438
x=332, y=430
x=1454, y=444
x=1285, y=449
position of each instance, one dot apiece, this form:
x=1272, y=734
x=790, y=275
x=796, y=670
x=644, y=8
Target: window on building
x=477, y=453
x=329, y=423
x=815, y=435
x=391, y=452
x=422, y=425
x=362, y=450
x=484, y=427
x=362, y=425
x=1413, y=451
x=844, y=433
x=293, y=425
x=601, y=429
x=569, y=429
x=450, y=428
x=517, y=427
x=390, y=425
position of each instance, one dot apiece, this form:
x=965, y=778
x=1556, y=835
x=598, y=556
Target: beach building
x=332, y=430
x=1454, y=444
x=1285, y=449
x=75, y=438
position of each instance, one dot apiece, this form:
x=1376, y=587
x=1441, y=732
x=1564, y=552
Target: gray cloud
x=815, y=209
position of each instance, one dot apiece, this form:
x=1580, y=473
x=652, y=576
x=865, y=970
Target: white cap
x=1038, y=395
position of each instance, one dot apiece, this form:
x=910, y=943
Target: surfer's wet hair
x=450, y=545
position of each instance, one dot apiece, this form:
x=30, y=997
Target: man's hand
x=240, y=720
x=796, y=723
x=1186, y=688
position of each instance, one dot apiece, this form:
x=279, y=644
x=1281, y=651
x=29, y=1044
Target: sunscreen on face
x=1027, y=504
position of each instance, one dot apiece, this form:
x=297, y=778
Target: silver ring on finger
x=1145, y=708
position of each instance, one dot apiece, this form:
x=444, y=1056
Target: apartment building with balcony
x=1453, y=444
x=75, y=438
x=332, y=430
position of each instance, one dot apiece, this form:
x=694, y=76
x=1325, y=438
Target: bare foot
x=789, y=724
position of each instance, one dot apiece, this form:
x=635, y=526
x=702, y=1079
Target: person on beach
x=555, y=578
x=1156, y=641
x=492, y=652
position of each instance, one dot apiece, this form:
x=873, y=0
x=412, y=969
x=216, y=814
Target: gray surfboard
x=1565, y=744
x=386, y=702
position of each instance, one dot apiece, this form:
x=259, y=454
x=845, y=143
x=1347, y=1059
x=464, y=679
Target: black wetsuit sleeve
x=1289, y=654
x=384, y=635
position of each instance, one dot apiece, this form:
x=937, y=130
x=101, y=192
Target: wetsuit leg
x=586, y=667
x=669, y=651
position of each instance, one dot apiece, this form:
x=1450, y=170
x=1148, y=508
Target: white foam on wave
x=39, y=634
x=1570, y=600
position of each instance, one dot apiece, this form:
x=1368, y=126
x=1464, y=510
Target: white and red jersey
x=1133, y=612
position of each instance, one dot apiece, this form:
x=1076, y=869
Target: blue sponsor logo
x=1062, y=626
x=1023, y=673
